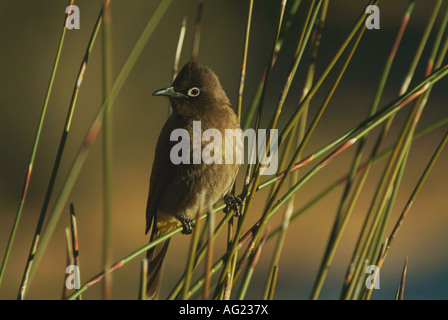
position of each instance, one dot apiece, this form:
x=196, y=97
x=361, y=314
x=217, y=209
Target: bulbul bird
x=178, y=191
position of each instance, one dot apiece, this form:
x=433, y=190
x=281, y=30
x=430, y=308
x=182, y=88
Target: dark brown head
x=196, y=87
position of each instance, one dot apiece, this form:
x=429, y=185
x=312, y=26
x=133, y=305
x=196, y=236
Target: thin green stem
x=191, y=254
x=93, y=131
x=180, y=44
x=201, y=253
x=197, y=30
x=284, y=29
x=34, y=148
x=342, y=220
x=416, y=191
x=210, y=246
x=248, y=203
x=421, y=47
x=244, y=62
x=143, y=279
x=250, y=271
x=271, y=207
x=75, y=244
x=107, y=151
x=317, y=35
x=220, y=262
x=70, y=261
x=54, y=173
x=363, y=130
x=363, y=235
x=358, y=24
x=400, y=292
x=306, y=138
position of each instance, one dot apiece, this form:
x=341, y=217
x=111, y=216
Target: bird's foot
x=187, y=225
x=233, y=203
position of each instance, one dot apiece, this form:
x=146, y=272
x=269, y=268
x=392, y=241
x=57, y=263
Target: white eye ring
x=194, y=92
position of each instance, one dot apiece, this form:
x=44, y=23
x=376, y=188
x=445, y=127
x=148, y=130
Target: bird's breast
x=209, y=171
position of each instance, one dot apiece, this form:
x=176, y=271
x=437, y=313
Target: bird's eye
x=194, y=92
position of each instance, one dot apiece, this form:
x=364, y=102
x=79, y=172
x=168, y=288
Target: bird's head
x=196, y=87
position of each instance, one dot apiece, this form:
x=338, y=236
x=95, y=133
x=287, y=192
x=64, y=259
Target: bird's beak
x=169, y=92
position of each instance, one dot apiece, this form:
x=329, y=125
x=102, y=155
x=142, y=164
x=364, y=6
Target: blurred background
x=29, y=32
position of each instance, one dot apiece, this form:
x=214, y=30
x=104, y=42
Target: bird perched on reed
x=178, y=191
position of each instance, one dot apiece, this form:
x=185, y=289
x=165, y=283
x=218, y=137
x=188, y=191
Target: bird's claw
x=187, y=225
x=233, y=203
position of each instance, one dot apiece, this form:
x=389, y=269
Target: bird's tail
x=156, y=257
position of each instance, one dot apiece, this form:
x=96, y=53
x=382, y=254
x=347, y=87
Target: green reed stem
x=408, y=78
x=64, y=136
x=250, y=270
x=342, y=220
x=244, y=62
x=248, y=203
x=29, y=172
x=219, y=228
x=271, y=207
x=400, y=292
x=107, y=151
x=143, y=278
x=210, y=247
x=201, y=253
x=180, y=44
x=70, y=261
x=272, y=273
x=257, y=96
x=94, y=129
x=191, y=254
x=75, y=244
x=388, y=179
x=359, y=23
x=303, y=39
x=416, y=191
x=304, y=141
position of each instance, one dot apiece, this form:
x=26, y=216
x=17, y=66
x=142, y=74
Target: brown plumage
x=175, y=191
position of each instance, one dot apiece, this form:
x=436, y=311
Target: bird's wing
x=163, y=171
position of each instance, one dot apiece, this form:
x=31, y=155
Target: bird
x=178, y=191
